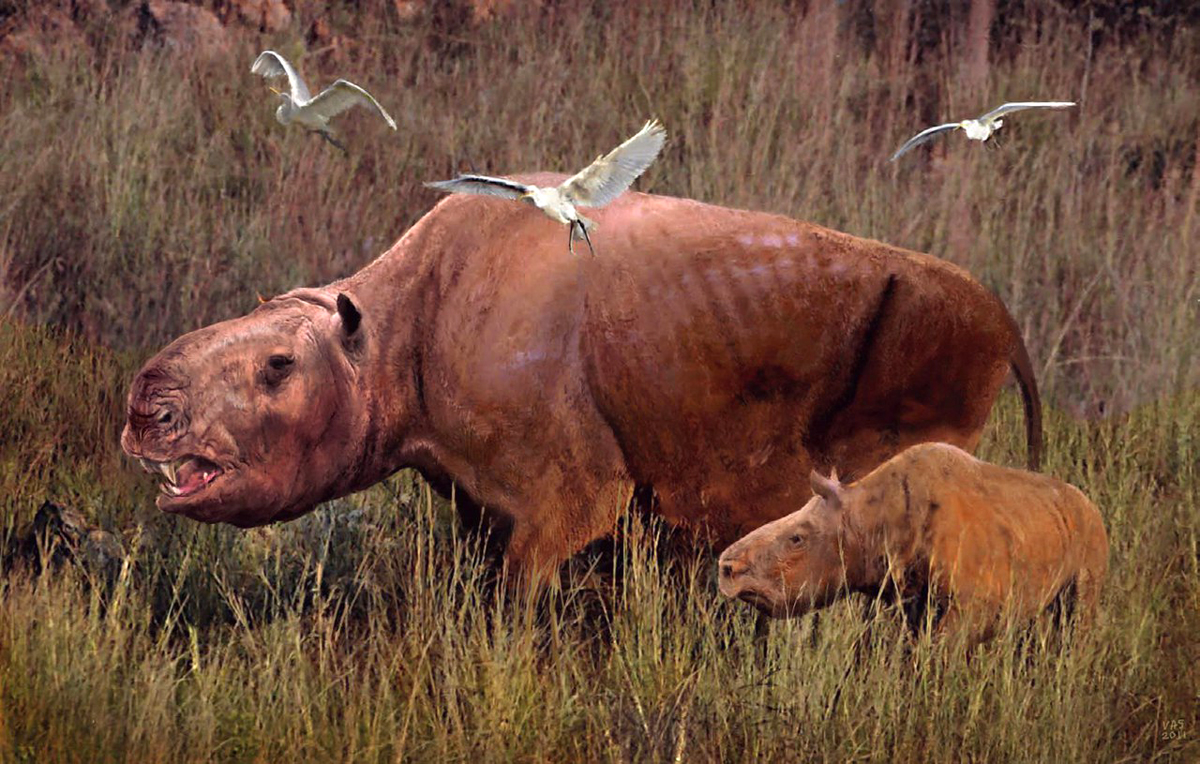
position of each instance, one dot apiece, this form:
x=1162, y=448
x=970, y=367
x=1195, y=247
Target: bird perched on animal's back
x=980, y=128
x=594, y=186
x=314, y=112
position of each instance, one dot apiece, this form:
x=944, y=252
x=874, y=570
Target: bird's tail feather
x=587, y=223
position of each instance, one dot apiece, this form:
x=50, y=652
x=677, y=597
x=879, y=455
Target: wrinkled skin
x=255, y=412
x=790, y=566
x=931, y=525
x=701, y=356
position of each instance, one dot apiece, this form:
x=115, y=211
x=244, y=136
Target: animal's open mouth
x=185, y=476
x=757, y=600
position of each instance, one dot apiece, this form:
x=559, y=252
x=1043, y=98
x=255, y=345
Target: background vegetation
x=148, y=191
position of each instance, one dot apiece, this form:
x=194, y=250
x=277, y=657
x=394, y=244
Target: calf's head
x=794, y=564
x=255, y=419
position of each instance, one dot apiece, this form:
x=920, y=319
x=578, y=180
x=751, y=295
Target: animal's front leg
x=534, y=555
x=553, y=525
x=963, y=628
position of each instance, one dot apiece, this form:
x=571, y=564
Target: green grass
x=370, y=631
x=150, y=194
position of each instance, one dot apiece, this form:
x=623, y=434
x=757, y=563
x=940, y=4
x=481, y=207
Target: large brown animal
x=932, y=525
x=703, y=353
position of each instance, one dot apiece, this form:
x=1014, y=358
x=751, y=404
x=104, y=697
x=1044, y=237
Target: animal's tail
x=1023, y=370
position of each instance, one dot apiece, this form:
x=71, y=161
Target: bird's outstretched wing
x=605, y=179
x=343, y=94
x=1000, y=111
x=271, y=64
x=923, y=136
x=482, y=184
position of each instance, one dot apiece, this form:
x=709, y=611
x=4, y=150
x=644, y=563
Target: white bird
x=594, y=186
x=311, y=112
x=980, y=128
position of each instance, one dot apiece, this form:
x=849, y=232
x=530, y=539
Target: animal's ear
x=828, y=488
x=351, y=317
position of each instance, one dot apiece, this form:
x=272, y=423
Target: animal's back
x=998, y=537
x=713, y=355
x=730, y=351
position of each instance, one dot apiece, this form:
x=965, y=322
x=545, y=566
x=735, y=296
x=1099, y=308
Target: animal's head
x=284, y=106
x=794, y=564
x=256, y=419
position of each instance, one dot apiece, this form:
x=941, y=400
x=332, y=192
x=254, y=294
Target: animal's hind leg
x=1087, y=596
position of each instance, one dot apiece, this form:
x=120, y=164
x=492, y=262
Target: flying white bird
x=980, y=128
x=594, y=186
x=311, y=112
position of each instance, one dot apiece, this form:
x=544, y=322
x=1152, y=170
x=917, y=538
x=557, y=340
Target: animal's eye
x=797, y=540
x=278, y=367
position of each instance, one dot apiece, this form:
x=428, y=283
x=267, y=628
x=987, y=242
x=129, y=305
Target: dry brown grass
x=154, y=193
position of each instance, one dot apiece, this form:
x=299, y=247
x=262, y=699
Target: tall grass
x=148, y=193
x=372, y=631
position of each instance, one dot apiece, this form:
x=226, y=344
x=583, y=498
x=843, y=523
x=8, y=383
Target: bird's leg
x=333, y=141
x=587, y=238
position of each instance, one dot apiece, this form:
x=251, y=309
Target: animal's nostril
x=726, y=571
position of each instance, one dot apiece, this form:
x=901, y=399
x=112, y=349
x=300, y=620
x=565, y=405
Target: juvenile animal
x=931, y=525
x=699, y=358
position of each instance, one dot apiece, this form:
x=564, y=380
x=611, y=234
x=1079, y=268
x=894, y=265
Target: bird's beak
x=276, y=92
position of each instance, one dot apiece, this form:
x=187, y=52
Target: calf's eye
x=796, y=540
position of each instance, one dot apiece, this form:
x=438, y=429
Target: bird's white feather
x=483, y=185
x=1008, y=108
x=342, y=95
x=271, y=64
x=927, y=134
x=608, y=177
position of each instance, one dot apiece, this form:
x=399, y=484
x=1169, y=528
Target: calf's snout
x=730, y=570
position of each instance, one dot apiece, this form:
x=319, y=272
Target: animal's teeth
x=168, y=469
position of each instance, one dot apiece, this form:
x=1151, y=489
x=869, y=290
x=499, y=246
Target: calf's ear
x=351, y=317
x=828, y=488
